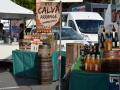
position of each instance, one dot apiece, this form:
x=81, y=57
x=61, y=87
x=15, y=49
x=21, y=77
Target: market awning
x=11, y=10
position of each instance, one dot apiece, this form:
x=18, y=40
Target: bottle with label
x=117, y=44
x=97, y=49
x=87, y=62
x=108, y=42
x=92, y=63
x=98, y=64
x=91, y=49
x=113, y=37
x=102, y=38
x=82, y=59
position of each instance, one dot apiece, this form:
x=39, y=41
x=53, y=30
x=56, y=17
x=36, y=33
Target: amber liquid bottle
x=108, y=42
x=87, y=63
x=92, y=63
x=98, y=64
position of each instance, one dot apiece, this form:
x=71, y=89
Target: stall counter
x=6, y=51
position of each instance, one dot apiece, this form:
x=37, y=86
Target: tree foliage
x=30, y=4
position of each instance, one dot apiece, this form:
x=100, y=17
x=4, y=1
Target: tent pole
x=10, y=29
x=60, y=58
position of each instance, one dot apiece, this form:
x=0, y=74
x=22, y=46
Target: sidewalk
x=9, y=82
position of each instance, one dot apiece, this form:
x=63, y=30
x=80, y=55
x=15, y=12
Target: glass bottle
x=82, y=59
x=102, y=38
x=87, y=61
x=108, y=42
x=92, y=63
x=117, y=44
x=98, y=64
x=113, y=37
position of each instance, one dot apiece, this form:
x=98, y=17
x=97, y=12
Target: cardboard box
x=73, y=52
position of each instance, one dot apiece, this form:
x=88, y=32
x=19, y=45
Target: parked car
x=68, y=35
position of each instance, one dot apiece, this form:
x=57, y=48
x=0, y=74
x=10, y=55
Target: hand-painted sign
x=48, y=14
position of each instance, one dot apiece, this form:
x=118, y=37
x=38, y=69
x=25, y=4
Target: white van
x=84, y=23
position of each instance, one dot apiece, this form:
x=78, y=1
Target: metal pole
x=60, y=46
x=111, y=1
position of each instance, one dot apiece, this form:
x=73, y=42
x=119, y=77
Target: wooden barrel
x=44, y=51
x=111, y=61
x=110, y=66
x=112, y=55
x=45, y=64
x=45, y=72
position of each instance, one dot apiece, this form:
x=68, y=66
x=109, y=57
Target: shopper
x=2, y=32
x=21, y=34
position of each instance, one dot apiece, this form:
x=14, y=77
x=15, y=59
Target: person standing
x=2, y=32
x=21, y=34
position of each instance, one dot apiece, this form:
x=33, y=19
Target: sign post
x=49, y=13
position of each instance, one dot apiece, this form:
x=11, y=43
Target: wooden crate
x=25, y=45
x=73, y=52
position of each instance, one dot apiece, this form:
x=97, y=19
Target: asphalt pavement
x=9, y=82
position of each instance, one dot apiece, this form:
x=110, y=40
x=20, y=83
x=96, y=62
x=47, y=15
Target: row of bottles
x=109, y=40
x=45, y=31
x=90, y=49
x=93, y=63
x=32, y=36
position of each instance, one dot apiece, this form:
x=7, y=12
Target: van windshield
x=89, y=26
x=66, y=34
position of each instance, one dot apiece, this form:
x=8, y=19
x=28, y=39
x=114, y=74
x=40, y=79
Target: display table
x=81, y=80
x=55, y=63
x=6, y=51
x=25, y=64
x=88, y=81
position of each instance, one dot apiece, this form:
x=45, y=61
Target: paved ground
x=9, y=82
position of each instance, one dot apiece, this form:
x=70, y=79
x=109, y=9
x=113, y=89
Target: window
x=71, y=24
x=89, y=26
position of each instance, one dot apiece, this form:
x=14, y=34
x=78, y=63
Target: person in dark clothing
x=22, y=27
x=2, y=32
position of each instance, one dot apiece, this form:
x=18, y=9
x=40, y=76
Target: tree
x=30, y=4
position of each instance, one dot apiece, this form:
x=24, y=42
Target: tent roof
x=65, y=1
x=11, y=10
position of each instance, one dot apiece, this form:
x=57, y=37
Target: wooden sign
x=48, y=15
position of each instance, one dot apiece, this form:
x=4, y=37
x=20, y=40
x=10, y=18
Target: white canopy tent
x=11, y=10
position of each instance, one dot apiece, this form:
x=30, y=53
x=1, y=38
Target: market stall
x=12, y=11
x=98, y=65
